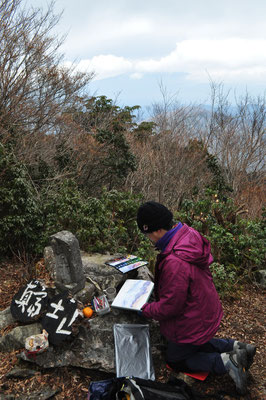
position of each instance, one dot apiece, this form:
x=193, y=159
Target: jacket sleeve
x=172, y=288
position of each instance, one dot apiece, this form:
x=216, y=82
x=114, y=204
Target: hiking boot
x=250, y=349
x=235, y=363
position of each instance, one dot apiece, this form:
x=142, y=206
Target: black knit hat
x=152, y=216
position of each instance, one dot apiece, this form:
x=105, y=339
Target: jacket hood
x=190, y=246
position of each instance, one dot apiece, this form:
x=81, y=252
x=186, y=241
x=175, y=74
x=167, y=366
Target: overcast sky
x=132, y=45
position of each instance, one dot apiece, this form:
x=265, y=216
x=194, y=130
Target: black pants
x=206, y=357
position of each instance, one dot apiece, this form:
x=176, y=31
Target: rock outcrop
x=84, y=275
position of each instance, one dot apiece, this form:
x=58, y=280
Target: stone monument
x=68, y=271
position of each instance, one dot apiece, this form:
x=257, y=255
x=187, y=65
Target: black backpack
x=143, y=389
x=151, y=390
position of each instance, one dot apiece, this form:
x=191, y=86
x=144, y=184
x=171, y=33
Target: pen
x=97, y=305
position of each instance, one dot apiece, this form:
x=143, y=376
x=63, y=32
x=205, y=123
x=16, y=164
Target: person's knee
x=179, y=366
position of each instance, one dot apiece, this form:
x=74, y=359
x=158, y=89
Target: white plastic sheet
x=132, y=351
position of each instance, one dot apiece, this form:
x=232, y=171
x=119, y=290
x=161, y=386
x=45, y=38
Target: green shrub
x=108, y=223
x=224, y=277
x=238, y=244
x=20, y=215
x=28, y=218
x=101, y=224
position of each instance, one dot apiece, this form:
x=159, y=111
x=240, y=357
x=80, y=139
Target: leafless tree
x=35, y=88
x=236, y=135
x=169, y=167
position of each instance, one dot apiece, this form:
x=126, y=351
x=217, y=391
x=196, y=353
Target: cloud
x=136, y=75
x=228, y=58
x=104, y=66
x=234, y=59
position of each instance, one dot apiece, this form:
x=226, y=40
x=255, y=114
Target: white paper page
x=133, y=294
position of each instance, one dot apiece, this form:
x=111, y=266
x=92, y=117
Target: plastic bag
x=132, y=351
x=37, y=343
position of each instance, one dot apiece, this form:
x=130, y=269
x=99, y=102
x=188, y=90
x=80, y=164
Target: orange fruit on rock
x=87, y=312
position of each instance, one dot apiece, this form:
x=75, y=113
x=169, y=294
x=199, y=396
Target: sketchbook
x=126, y=263
x=133, y=294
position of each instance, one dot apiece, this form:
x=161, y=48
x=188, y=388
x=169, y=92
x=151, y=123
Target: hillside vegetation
x=82, y=163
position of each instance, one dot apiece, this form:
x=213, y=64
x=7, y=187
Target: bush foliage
x=107, y=223
x=238, y=243
x=21, y=218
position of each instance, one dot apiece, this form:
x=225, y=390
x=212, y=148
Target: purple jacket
x=187, y=304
